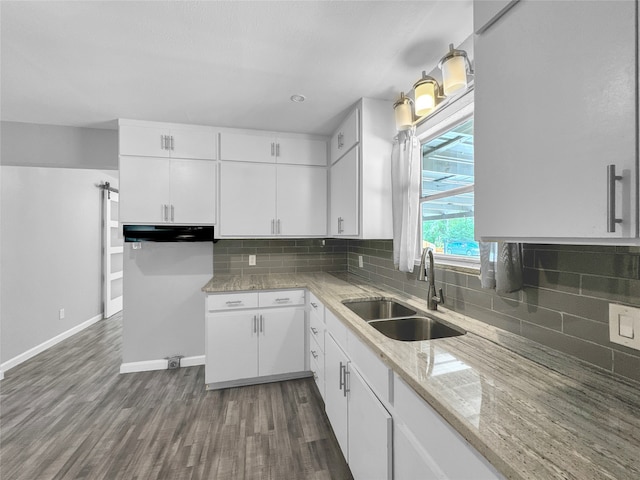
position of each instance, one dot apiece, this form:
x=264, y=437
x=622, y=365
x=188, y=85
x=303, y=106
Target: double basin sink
x=399, y=322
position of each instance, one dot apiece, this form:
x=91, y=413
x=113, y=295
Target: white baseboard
x=32, y=352
x=161, y=364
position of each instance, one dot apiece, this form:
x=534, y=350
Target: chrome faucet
x=433, y=299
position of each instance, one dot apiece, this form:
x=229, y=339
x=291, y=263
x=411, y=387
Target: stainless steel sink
x=378, y=308
x=412, y=329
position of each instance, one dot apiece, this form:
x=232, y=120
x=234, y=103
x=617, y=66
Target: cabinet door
x=247, y=199
x=301, y=151
x=144, y=189
x=548, y=121
x=344, y=195
x=244, y=147
x=197, y=142
x=301, y=200
x=281, y=344
x=232, y=346
x=193, y=191
x=347, y=135
x=486, y=12
x=335, y=401
x=370, y=431
x=143, y=141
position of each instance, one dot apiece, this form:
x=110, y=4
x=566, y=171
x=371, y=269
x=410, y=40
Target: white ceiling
x=223, y=63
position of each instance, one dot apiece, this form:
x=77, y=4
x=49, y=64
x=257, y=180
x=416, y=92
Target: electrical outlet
x=252, y=260
x=61, y=314
x=360, y=262
x=624, y=325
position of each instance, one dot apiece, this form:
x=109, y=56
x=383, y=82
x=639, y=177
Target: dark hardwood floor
x=68, y=414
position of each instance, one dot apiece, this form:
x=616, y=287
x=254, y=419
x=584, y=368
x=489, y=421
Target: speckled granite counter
x=533, y=412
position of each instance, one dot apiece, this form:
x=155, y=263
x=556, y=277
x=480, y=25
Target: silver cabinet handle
x=255, y=324
x=278, y=227
x=234, y=302
x=165, y=212
x=171, y=142
x=314, y=305
x=342, y=369
x=611, y=198
x=272, y=149
x=277, y=149
x=285, y=299
x=261, y=324
x=314, y=354
x=314, y=330
x=346, y=384
x=162, y=142
x=340, y=222
x=172, y=213
x=273, y=226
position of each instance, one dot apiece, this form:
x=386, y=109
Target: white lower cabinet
x=244, y=344
x=426, y=446
x=362, y=425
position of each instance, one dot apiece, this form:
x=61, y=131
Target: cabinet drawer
x=316, y=364
x=316, y=307
x=337, y=329
x=281, y=298
x=232, y=301
x=316, y=330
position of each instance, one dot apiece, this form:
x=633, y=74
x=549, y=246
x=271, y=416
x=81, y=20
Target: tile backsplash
x=564, y=304
x=279, y=256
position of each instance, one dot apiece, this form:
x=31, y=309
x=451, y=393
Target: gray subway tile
x=537, y=315
x=491, y=317
x=580, y=306
x=612, y=289
x=590, y=352
x=562, y=281
x=466, y=295
x=595, y=263
x=626, y=365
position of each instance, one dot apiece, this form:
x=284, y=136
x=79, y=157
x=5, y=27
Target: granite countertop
x=533, y=412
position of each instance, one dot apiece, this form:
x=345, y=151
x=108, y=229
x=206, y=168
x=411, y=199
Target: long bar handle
x=611, y=198
x=261, y=324
x=234, y=302
x=172, y=213
x=342, y=369
x=165, y=209
x=346, y=384
x=255, y=324
x=171, y=142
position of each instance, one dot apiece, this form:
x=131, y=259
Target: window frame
x=452, y=115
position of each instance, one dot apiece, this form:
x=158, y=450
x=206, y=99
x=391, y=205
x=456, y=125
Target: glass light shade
x=425, y=98
x=404, y=116
x=454, y=74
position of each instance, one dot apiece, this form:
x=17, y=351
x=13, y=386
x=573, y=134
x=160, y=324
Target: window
x=447, y=193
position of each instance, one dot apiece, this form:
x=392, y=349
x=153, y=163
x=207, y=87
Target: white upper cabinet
x=162, y=190
x=360, y=174
x=267, y=148
x=486, y=12
x=346, y=136
x=555, y=105
x=151, y=139
x=260, y=199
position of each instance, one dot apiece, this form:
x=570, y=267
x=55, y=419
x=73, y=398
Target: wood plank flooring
x=68, y=414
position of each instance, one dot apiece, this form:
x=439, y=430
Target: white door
x=232, y=346
x=370, y=432
x=196, y=143
x=193, y=191
x=344, y=195
x=302, y=151
x=113, y=252
x=335, y=402
x=143, y=141
x=144, y=190
x=281, y=341
x=248, y=199
x=245, y=147
x=301, y=200
x=541, y=154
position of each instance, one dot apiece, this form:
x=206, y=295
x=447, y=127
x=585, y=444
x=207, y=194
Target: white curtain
x=405, y=184
x=501, y=266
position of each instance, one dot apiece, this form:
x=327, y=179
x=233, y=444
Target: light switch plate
x=360, y=262
x=252, y=260
x=624, y=325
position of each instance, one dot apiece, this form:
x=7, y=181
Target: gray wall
x=50, y=235
x=564, y=304
x=51, y=253
x=58, y=146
